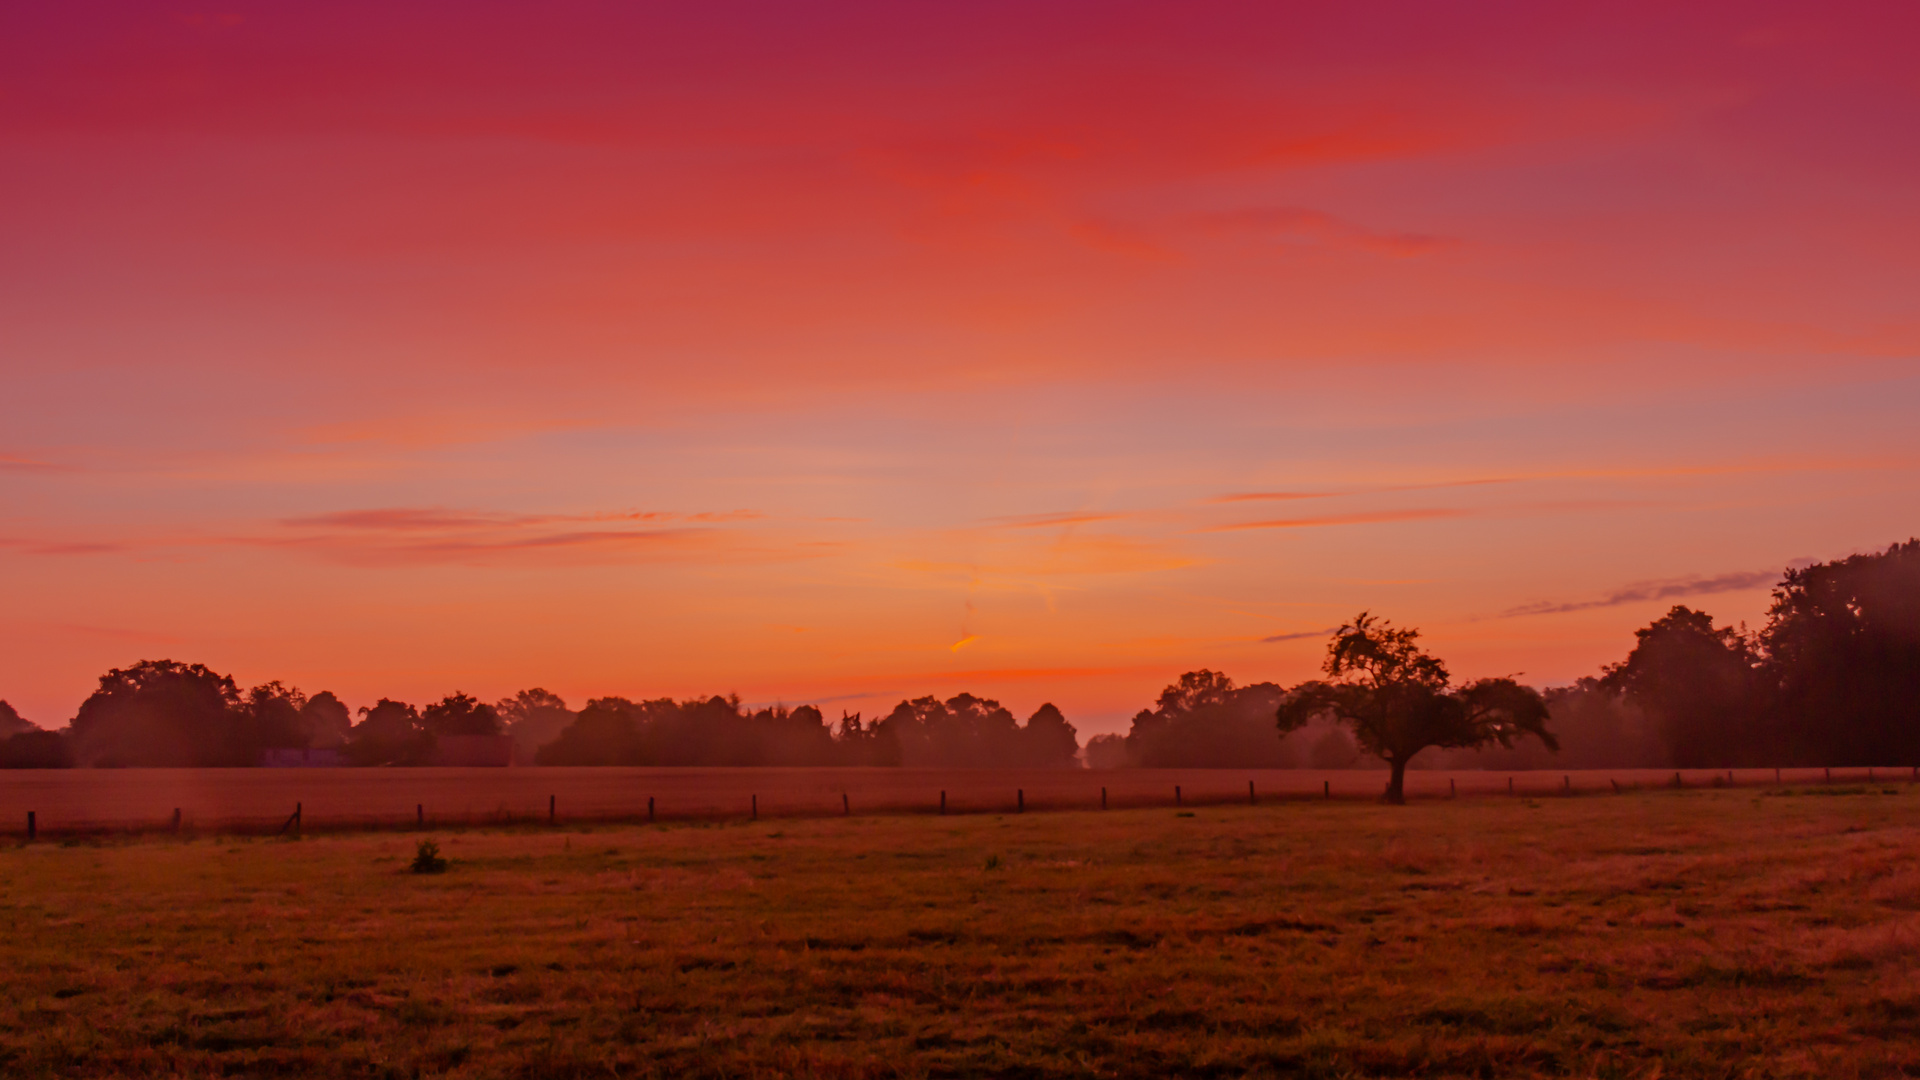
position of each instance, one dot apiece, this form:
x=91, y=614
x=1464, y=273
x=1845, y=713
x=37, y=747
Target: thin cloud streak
x=1041, y=521
x=1280, y=496
x=1642, y=592
x=428, y=519
x=1300, y=636
x=1371, y=518
x=62, y=547
x=1842, y=465
x=16, y=463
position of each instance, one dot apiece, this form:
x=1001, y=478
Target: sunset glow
x=845, y=352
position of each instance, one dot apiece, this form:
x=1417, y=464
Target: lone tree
x=1397, y=700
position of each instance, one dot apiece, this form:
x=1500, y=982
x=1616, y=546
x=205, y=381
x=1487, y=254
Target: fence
x=231, y=801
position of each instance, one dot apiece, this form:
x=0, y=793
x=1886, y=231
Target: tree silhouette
x=460, y=714
x=534, y=718
x=1842, y=648
x=606, y=732
x=12, y=723
x=163, y=713
x=326, y=720
x=1699, y=685
x=275, y=714
x=1397, y=700
x=389, y=733
x=1203, y=721
x=1047, y=740
x=24, y=746
x=36, y=749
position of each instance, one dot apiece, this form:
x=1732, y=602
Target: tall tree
x=1047, y=740
x=389, y=733
x=326, y=720
x=12, y=723
x=1699, y=684
x=1397, y=700
x=460, y=714
x=1842, y=647
x=1205, y=721
x=275, y=713
x=606, y=732
x=163, y=713
x=534, y=718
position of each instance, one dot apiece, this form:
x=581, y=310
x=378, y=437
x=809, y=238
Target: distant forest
x=1833, y=679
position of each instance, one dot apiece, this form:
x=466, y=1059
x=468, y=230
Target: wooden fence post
x=1103, y=795
x=649, y=809
x=1453, y=790
x=1509, y=785
x=846, y=805
x=550, y=808
x=1566, y=784
x=1176, y=796
x=33, y=828
x=754, y=814
x=1326, y=789
x=1251, y=801
x=1020, y=800
x=420, y=815
x=943, y=803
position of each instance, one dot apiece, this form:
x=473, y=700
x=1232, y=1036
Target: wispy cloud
x=1299, y=635
x=1026, y=555
x=1375, y=517
x=1042, y=521
x=1626, y=473
x=28, y=546
x=427, y=432
x=1644, y=591
x=425, y=535
x=440, y=519
x=1386, y=489
x=17, y=463
x=404, y=536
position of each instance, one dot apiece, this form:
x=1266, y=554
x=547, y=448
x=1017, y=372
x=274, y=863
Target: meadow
x=67, y=801
x=1658, y=933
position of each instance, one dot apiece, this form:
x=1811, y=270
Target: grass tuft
x=427, y=860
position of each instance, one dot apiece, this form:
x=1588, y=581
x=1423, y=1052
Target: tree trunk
x=1397, y=782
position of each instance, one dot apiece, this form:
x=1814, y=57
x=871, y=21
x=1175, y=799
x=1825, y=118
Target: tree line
x=163, y=713
x=1833, y=679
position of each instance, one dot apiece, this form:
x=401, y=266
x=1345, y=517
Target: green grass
x=1671, y=934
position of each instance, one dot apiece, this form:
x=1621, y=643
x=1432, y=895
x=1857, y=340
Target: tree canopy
x=1842, y=654
x=1397, y=700
x=1204, y=719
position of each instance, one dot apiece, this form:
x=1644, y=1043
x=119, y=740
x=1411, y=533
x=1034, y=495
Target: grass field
x=1693, y=933
x=66, y=801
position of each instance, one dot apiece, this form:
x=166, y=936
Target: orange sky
x=844, y=352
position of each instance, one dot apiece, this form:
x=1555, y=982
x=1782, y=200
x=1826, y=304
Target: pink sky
x=846, y=352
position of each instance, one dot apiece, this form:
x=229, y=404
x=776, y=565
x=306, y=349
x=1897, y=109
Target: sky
x=844, y=352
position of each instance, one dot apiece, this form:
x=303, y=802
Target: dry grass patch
x=1665, y=934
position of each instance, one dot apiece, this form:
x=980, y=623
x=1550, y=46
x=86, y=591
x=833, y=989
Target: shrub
x=427, y=860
